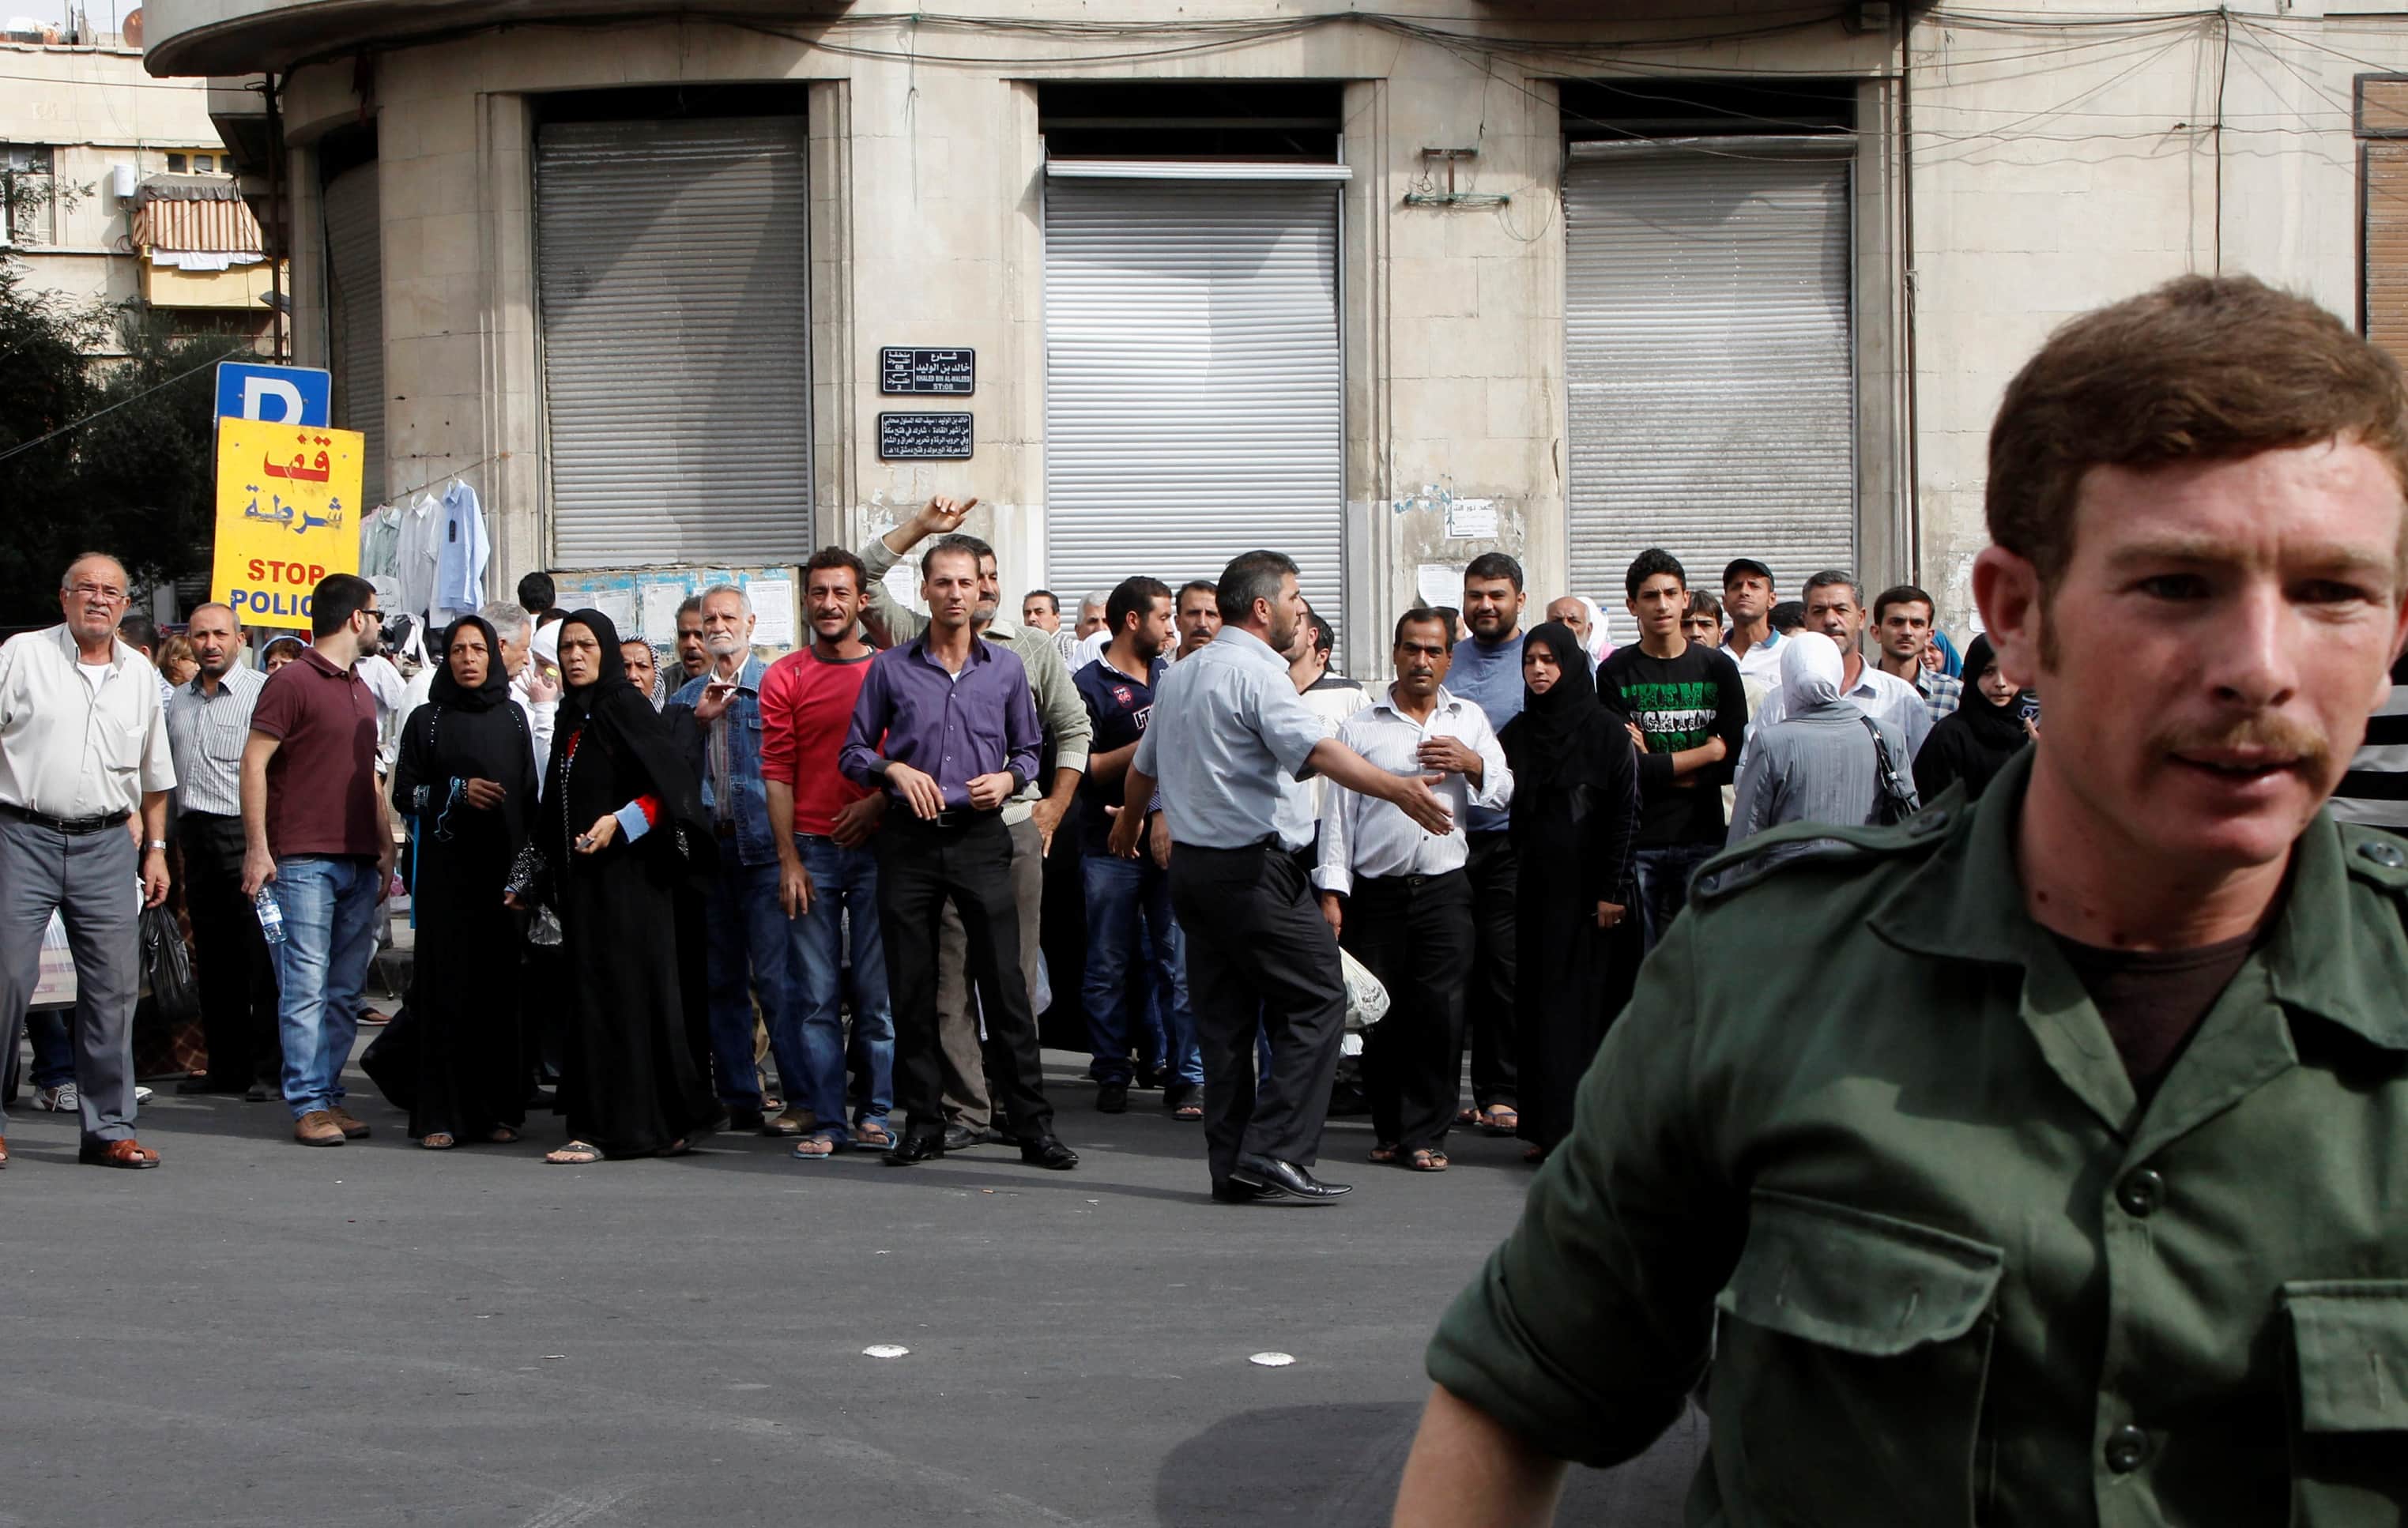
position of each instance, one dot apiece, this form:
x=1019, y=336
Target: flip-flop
x=1501, y=1120
x=829, y=1146
x=872, y=1136
x=438, y=1141
x=1189, y=1113
x=575, y=1154
x=502, y=1136
x=1383, y=1152
x=1422, y=1160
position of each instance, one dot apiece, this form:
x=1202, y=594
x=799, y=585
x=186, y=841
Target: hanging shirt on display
x=460, y=571
x=381, y=543
x=421, y=544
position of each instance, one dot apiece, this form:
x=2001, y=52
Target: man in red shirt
x=822, y=823
x=316, y=835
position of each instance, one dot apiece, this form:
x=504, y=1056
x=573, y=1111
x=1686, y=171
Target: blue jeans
x=1122, y=895
x=54, y=1047
x=1664, y=875
x=845, y=897
x=747, y=952
x=329, y=903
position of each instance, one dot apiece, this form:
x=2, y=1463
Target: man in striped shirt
x=208, y=720
x=2375, y=790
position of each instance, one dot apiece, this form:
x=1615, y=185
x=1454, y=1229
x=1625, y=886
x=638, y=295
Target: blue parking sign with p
x=275, y=395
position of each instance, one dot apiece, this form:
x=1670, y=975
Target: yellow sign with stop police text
x=288, y=515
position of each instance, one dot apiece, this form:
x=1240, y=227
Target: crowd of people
x=833, y=859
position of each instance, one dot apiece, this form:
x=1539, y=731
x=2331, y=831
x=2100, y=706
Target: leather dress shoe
x=1230, y=1191
x=352, y=1127
x=1271, y=1173
x=127, y=1152
x=914, y=1149
x=1045, y=1151
x=960, y=1137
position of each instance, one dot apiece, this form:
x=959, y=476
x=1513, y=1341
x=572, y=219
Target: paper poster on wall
x=660, y=602
x=1439, y=583
x=619, y=606
x=773, y=611
x=1472, y=519
x=903, y=585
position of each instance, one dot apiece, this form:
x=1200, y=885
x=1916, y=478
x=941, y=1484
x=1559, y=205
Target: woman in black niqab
x=464, y=782
x=620, y=831
x=1574, y=830
x=1972, y=743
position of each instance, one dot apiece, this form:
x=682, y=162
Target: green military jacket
x=1862, y=1137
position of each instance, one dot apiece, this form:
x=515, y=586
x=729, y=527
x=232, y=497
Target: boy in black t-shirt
x=1687, y=714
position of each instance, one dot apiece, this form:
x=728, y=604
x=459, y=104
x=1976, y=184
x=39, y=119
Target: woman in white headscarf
x=1825, y=761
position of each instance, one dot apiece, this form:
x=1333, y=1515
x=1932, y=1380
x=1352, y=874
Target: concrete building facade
x=120, y=190
x=1391, y=288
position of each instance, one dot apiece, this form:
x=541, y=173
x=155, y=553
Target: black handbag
x=1895, y=801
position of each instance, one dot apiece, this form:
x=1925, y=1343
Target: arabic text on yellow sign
x=288, y=515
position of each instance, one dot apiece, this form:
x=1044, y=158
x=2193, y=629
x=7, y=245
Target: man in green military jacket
x=2042, y=1161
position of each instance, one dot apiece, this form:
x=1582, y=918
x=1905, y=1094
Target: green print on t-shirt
x=1674, y=717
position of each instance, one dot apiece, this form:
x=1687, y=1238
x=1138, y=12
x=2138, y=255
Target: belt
x=953, y=819
x=64, y=824
x=1267, y=841
x=1409, y=883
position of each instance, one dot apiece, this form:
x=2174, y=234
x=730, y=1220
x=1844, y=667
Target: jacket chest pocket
x=1850, y=1367
x=2349, y=1400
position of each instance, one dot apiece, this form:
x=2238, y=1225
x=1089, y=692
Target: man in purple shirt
x=945, y=726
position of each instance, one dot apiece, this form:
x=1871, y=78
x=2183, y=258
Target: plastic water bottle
x=271, y=917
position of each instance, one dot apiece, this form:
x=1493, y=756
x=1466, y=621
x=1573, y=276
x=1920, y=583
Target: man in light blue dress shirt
x=1228, y=747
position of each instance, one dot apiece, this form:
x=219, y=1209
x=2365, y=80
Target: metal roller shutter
x=673, y=277
x=1194, y=380
x=355, y=313
x=1709, y=363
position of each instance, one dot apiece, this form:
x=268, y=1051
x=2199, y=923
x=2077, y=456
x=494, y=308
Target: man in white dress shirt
x=84, y=759
x=209, y=721
x=1397, y=895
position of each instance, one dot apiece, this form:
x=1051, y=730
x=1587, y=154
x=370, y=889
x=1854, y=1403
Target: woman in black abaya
x=1574, y=829
x=465, y=781
x=621, y=827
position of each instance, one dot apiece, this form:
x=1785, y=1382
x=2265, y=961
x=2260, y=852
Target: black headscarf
x=624, y=718
x=448, y=691
x=1559, y=736
x=1996, y=727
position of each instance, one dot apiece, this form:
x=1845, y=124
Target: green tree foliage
x=134, y=481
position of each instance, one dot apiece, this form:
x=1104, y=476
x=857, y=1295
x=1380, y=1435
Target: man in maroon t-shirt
x=318, y=839
x=822, y=823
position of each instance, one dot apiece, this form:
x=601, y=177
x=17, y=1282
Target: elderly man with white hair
x=748, y=932
x=85, y=769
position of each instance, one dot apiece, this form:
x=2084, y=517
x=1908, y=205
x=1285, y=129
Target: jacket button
x=2383, y=852
x=1706, y=884
x=2142, y=1192
x=2127, y=1450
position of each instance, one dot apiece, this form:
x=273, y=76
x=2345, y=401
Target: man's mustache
x=2298, y=744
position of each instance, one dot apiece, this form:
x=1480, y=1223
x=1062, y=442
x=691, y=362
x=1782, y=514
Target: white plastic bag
x=1366, y=1000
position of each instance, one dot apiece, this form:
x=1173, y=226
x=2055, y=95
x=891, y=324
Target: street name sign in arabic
x=288, y=515
x=903, y=369
x=925, y=438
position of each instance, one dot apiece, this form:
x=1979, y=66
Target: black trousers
x=1259, y=955
x=1415, y=932
x=920, y=867
x=1489, y=996
x=237, y=976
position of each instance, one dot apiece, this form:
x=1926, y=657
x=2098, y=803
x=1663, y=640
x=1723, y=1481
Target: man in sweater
x=1030, y=817
x=1486, y=670
x=1687, y=714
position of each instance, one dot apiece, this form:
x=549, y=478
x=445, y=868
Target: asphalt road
x=261, y=1333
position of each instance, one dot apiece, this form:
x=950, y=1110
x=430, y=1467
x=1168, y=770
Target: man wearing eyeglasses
x=316, y=835
x=83, y=749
